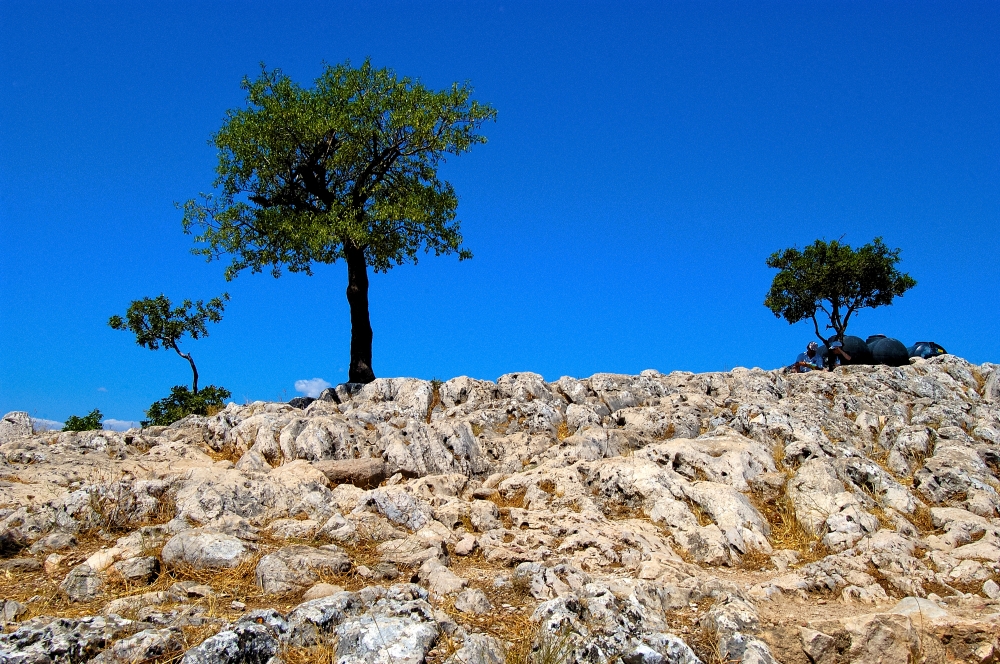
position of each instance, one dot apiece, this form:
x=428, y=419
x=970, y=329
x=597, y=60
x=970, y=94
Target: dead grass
x=755, y=560
x=563, y=432
x=228, y=452
x=435, y=398
x=324, y=653
x=509, y=498
x=786, y=531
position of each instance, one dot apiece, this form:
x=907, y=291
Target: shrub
x=88, y=422
x=183, y=402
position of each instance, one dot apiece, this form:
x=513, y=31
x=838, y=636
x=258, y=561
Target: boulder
x=362, y=473
x=14, y=425
x=294, y=568
x=204, y=549
x=243, y=643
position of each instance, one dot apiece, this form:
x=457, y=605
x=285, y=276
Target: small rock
x=138, y=570
x=192, y=589
x=321, y=590
x=237, y=606
x=12, y=610
x=473, y=600
x=144, y=646
x=52, y=562
x=466, y=545
x=485, y=515
x=439, y=579
x=20, y=565
x=918, y=607
x=53, y=542
x=991, y=589
x=82, y=584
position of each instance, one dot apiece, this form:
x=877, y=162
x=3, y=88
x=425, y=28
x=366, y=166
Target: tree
x=89, y=422
x=347, y=169
x=155, y=324
x=834, y=278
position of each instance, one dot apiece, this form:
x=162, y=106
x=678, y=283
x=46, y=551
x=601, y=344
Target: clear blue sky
x=646, y=160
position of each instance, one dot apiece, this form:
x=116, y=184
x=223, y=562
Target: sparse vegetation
x=183, y=402
x=89, y=422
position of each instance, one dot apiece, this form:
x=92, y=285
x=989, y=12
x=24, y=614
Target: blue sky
x=646, y=160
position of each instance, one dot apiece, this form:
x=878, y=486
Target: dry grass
x=755, y=560
x=509, y=498
x=786, y=531
x=228, y=452
x=324, y=653
x=435, y=398
x=563, y=432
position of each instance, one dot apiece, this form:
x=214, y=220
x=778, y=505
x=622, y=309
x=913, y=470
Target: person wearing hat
x=810, y=360
x=837, y=355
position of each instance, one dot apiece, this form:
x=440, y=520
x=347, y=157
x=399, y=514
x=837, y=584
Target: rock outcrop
x=746, y=516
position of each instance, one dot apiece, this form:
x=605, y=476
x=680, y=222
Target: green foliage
x=89, y=422
x=350, y=162
x=156, y=324
x=183, y=402
x=834, y=278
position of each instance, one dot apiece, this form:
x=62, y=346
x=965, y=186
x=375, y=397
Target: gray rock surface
x=862, y=503
x=202, y=548
x=297, y=567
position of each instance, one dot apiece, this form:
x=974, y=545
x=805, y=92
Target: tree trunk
x=194, y=369
x=361, y=327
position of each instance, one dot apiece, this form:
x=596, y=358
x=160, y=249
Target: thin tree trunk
x=194, y=369
x=361, y=327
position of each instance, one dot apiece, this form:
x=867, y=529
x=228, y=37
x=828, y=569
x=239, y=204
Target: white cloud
x=102, y=389
x=311, y=388
x=39, y=424
x=119, y=425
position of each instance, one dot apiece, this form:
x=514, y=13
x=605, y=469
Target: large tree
x=346, y=169
x=832, y=278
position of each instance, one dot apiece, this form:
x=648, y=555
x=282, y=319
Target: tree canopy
x=346, y=169
x=832, y=278
x=155, y=323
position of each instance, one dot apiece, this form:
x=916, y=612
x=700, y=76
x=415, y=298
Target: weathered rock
x=202, y=548
x=473, y=601
x=45, y=640
x=82, y=584
x=144, y=569
x=362, y=473
x=145, y=646
x=243, y=643
x=321, y=590
x=294, y=568
x=14, y=425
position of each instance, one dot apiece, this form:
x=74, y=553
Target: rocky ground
x=747, y=516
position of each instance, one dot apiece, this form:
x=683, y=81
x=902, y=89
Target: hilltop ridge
x=748, y=516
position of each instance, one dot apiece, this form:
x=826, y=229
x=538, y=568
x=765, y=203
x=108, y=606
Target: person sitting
x=810, y=360
x=836, y=356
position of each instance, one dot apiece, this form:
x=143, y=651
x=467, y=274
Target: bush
x=86, y=423
x=183, y=402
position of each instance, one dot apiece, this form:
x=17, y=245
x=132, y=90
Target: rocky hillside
x=748, y=516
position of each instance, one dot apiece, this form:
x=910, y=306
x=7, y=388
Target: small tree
x=89, y=422
x=834, y=278
x=346, y=170
x=155, y=324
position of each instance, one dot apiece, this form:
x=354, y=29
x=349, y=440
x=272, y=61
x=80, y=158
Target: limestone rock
x=296, y=567
x=202, y=548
